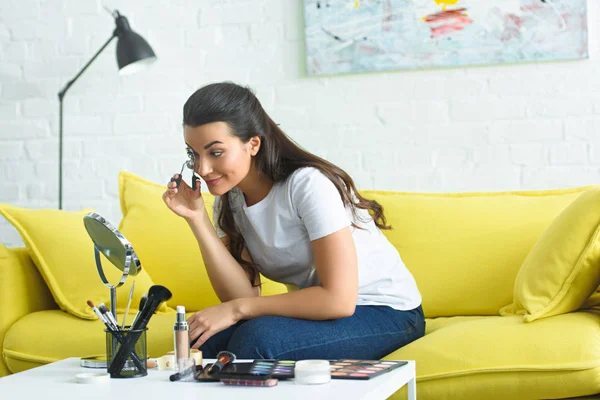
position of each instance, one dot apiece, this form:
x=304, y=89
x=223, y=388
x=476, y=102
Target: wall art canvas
x=348, y=36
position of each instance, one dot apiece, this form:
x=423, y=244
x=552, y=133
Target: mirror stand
x=113, y=288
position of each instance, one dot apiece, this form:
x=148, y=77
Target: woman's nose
x=204, y=168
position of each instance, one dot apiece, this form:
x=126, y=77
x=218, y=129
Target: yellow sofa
x=467, y=251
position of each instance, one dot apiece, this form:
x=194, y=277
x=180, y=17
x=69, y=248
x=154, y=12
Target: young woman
x=296, y=219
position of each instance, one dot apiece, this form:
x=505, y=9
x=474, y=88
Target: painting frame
x=354, y=36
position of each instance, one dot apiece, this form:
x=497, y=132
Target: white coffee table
x=56, y=381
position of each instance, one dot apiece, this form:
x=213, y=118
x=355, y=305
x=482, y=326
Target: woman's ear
x=254, y=145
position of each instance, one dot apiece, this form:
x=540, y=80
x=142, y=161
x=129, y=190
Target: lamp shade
x=133, y=52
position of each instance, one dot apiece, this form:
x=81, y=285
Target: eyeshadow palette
x=255, y=370
x=278, y=369
x=362, y=369
x=284, y=369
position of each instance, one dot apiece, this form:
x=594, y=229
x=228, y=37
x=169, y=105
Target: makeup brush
x=141, y=307
x=223, y=358
x=113, y=324
x=156, y=296
x=128, y=304
x=99, y=314
x=108, y=316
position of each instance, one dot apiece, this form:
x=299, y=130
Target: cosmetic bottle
x=181, y=333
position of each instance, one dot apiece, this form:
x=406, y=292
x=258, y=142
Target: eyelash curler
x=195, y=178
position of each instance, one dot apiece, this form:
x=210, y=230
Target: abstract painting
x=347, y=36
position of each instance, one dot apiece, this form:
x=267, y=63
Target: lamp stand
x=61, y=96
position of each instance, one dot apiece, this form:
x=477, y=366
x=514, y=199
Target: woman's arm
x=337, y=267
x=227, y=277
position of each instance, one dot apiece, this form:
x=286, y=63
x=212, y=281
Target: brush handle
x=123, y=340
x=125, y=351
x=116, y=333
x=157, y=294
x=128, y=304
x=127, y=348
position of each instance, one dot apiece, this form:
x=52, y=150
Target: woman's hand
x=184, y=201
x=212, y=320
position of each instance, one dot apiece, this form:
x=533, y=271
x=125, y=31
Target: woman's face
x=221, y=159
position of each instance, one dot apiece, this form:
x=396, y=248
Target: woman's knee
x=256, y=338
x=217, y=342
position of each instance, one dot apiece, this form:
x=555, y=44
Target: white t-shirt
x=305, y=207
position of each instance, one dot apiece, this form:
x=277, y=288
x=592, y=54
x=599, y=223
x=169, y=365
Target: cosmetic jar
x=312, y=372
x=196, y=355
x=92, y=377
x=186, y=368
x=166, y=362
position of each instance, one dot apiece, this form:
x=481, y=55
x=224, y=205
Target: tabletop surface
x=57, y=381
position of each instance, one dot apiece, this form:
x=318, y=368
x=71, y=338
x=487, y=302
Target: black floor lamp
x=133, y=54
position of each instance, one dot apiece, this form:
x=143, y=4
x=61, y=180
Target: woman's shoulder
x=305, y=175
x=306, y=182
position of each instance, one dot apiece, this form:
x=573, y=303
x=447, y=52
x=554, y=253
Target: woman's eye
x=190, y=153
x=216, y=153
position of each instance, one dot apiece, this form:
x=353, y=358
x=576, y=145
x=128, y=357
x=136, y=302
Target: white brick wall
x=506, y=127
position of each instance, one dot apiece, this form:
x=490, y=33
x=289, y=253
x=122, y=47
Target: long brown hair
x=278, y=157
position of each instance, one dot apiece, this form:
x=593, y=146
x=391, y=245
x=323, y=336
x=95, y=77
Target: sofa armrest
x=22, y=291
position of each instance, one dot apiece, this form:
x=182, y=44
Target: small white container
x=312, y=372
x=92, y=377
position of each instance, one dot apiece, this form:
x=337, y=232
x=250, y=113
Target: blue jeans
x=371, y=333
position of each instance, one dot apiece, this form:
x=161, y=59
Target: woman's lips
x=213, y=182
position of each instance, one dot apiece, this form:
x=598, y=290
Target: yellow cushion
x=166, y=245
x=506, y=358
x=563, y=268
x=63, y=252
x=465, y=249
x=593, y=301
x=18, y=279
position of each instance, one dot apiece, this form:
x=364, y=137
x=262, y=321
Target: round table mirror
x=118, y=250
